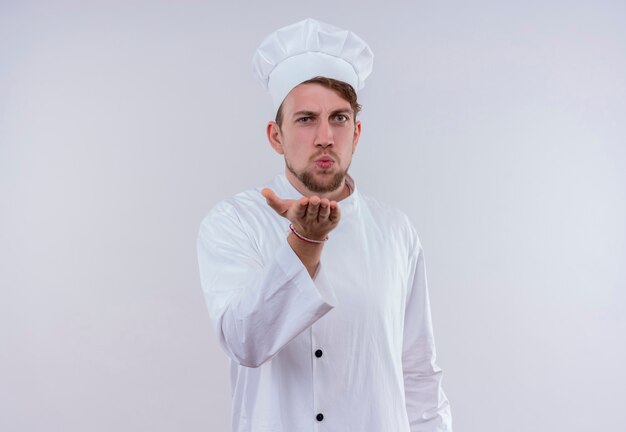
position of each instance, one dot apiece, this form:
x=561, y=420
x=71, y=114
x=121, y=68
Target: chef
x=316, y=291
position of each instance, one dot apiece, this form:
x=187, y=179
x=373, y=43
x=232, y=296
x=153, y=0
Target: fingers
x=301, y=205
x=267, y=192
x=312, y=211
x=335, y=214
x=280, y=206
x=319, y=209
x=271, y=198
x=324, y=212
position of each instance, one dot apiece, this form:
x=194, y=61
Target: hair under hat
x=309, y=48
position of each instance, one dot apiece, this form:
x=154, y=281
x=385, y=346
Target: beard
x=309, y=180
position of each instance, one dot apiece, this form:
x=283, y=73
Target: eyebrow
x=305, y=113
x=315, y=114
x=342, y=111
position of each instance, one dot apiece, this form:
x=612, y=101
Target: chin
x=320, y=181
x=330, y=182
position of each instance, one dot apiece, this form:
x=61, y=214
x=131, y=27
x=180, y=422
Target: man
x=317, y=292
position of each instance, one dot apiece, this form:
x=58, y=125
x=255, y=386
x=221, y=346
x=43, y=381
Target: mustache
x=329, y=153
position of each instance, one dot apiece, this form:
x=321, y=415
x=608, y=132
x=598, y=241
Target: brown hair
x=343, y=90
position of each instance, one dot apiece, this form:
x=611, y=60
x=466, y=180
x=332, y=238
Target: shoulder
x=236, y=210
x=245, y=201
x=392, y=219
x=382, y=209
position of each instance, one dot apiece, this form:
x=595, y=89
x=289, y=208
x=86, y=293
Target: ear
x=357, y=134
x=274, y=136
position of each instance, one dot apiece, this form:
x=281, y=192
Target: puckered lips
x=324, y=162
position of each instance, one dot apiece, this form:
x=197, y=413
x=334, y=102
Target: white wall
x=497, y=126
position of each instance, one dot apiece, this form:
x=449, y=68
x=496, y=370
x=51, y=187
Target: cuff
x=294, y=269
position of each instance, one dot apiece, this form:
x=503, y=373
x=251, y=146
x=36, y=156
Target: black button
x=318, y=353
x=319, y=417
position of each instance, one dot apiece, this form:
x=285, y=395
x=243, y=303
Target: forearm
x=312, y=218
x=256, y=312
x=309, y=253
x=427, y=405
x=257, y=302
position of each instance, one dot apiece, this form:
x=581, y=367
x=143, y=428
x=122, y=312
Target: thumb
x=280, y=206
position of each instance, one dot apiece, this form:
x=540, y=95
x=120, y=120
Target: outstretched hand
x=313, y=217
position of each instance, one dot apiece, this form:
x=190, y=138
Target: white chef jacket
x=350, y=349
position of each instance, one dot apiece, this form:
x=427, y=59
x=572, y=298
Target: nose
x=324, y=135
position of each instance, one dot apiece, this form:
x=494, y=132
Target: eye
x=304, y=120
x=341, y=117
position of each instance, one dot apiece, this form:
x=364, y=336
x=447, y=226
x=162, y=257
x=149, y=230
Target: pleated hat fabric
x=307, y=49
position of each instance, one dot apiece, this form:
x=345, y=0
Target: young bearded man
x=317, y=292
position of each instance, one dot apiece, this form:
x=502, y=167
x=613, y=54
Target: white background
x=499, y=127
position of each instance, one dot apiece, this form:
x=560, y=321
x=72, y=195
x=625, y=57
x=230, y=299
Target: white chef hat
x=306, y=49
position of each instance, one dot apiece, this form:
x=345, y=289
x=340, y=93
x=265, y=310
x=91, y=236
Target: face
x=317, y=138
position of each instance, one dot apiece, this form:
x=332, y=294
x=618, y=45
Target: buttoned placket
x=317, y=356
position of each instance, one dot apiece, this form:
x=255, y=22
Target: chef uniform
x=349, y=349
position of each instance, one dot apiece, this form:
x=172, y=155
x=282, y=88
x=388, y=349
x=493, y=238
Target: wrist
x=304, y=249
x=306, y=238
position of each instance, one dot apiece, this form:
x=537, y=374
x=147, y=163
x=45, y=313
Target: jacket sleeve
x=427, y=406
x=256, y=305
